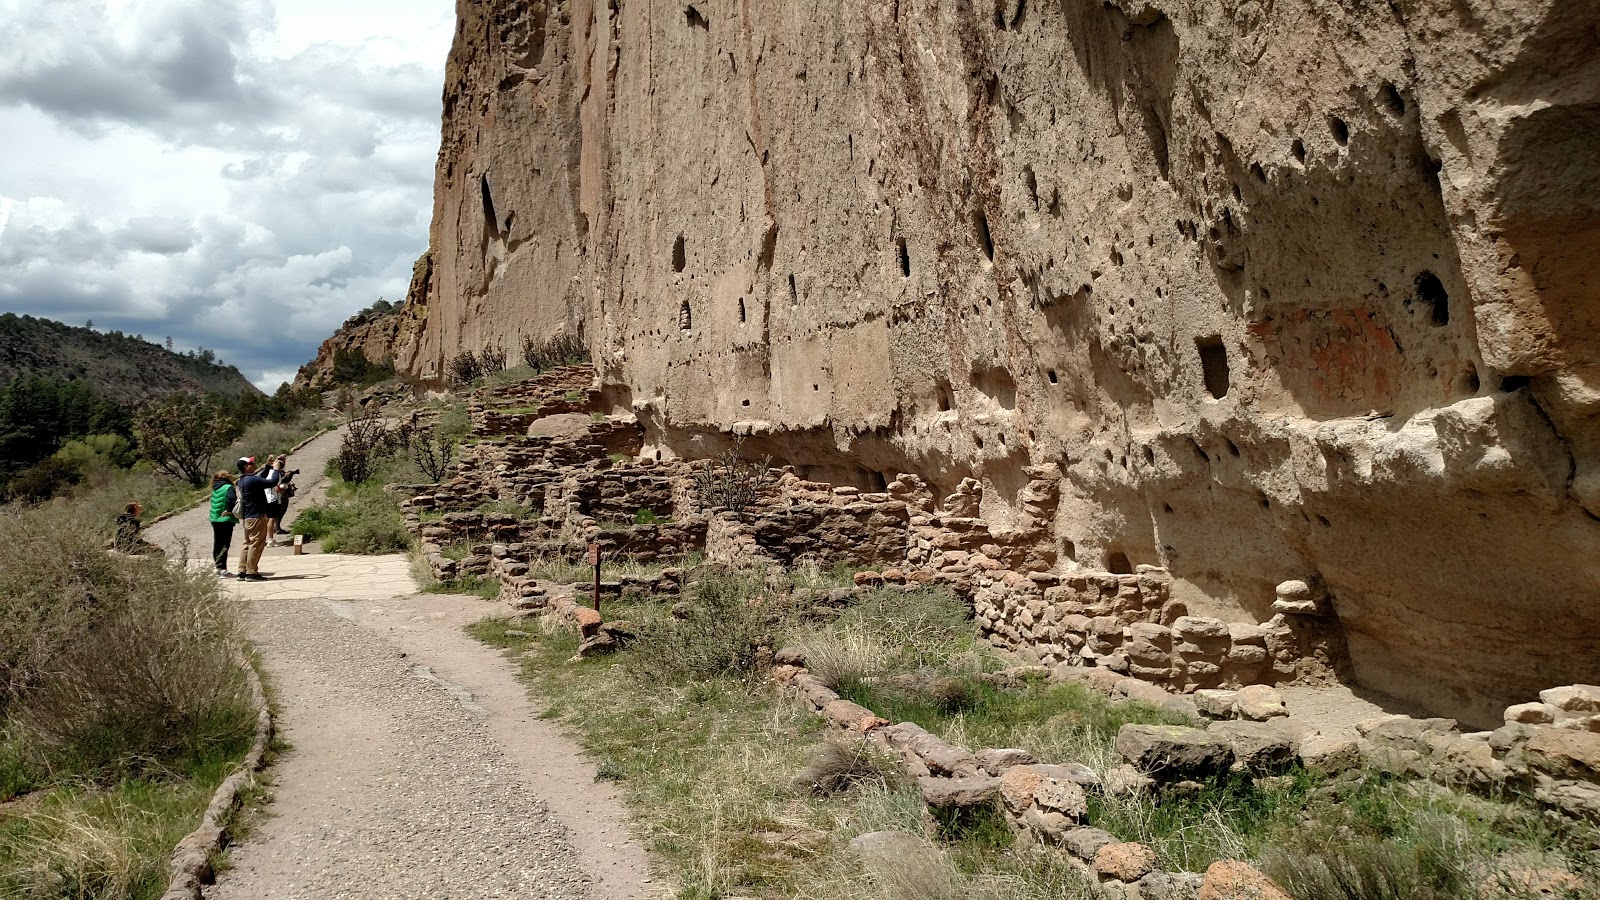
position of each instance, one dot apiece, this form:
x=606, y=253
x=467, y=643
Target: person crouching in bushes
x=128, y=539
x=223, y=497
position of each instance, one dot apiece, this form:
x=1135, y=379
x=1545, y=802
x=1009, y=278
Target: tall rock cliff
x=1277, y=289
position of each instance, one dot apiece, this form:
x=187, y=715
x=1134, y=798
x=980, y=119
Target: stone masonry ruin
x=549, y=493
x=1279, y=312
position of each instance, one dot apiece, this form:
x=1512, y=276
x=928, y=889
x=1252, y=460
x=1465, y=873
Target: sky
x=240, y=175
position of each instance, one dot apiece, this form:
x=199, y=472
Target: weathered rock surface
x=1173, y=752
x=1275, y=291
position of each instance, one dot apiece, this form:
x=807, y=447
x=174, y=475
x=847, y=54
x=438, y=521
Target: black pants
x=221, y=540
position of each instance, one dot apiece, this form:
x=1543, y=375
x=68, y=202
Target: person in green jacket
x=223, y=497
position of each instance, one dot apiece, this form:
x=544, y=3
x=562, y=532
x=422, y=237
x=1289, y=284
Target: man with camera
x=280, y=487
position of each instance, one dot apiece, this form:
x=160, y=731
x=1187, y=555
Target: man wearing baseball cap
x=253, y=494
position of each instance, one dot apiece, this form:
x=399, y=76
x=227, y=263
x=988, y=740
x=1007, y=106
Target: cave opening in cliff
x=741, y=310
x=980, y=228
x=1430, y=290
x=1214, y=365
x=491, y=221
x=696, y=19
x=680, y=258
x=1340, y=131
x=1117, y=563
x=685, y=317
x=905, y=259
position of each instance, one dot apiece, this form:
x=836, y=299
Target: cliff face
x=1277, y=289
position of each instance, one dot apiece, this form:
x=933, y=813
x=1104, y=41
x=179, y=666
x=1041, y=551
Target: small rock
x=787, y=656
x=958, y=793
x=1330, y=754
x=1233, y=880
x=1259, y=703
x=1125, y=779
x=1217, y=704
x=1295, y=598
x=1169, y=886
x=1124, y=862
x=1533, y=713
x=996, y=762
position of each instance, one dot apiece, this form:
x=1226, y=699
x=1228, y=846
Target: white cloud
x=240, y=174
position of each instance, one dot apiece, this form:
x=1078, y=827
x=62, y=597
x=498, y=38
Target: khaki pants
x=255, y=541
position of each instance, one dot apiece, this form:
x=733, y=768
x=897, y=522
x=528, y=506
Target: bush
x=731, y=481
x=561, y=350
x=465, y=368
x=491, y=360
x=728, y=627
x=358, y=519
x=112, y=665
x=367, y=440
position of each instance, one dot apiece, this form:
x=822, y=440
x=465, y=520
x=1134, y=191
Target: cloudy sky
x=241, y=175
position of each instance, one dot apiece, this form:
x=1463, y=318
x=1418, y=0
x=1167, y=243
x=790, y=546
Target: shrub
x=491, y=360
x=465, y=368
x=433, y=453
x=367, y=440
x=112, y=665
x=561, y=350
x=728, y=626
x=835, y=767
x=358, y=519
x=730, y=481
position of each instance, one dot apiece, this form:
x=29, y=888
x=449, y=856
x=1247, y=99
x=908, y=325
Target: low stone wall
x=1129, y=624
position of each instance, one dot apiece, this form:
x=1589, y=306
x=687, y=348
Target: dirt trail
x=419, y=767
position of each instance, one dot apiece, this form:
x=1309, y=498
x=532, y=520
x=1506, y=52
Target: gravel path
x=418, y=767
x=394, y=788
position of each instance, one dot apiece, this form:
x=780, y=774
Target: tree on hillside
x=181, y=433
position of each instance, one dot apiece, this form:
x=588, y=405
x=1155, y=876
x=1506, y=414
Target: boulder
x=564, y=428
x=1533, y=714
x=1218, y=704
x=958, y=793
x=1403, y=732
x=1127, y=862
x=1160, y=885
x=1259, y=703
x=1263, y=747
x=1562, y=753
x=1574, y=698
x=1174, y=752
x=1330, y=754
x=1233, y=880
x=1047, y=787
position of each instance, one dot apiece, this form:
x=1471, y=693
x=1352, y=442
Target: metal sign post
x=594, y=560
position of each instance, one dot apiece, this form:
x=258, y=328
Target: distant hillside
x=119, y=366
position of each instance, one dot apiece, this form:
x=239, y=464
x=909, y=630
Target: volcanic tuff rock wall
x=1283, y=289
